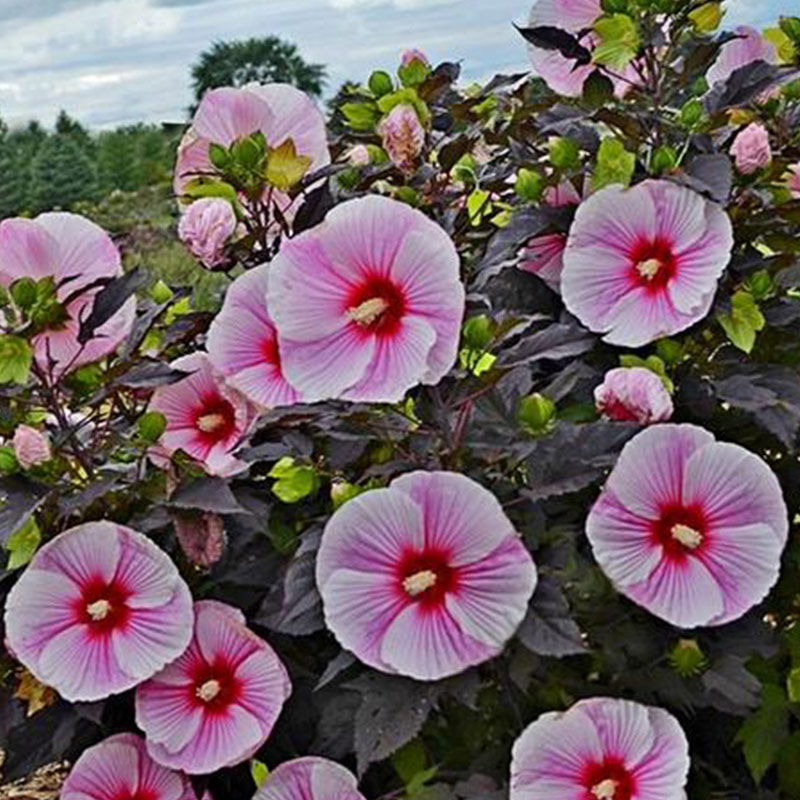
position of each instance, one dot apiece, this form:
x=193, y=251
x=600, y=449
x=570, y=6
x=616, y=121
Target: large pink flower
x=215, y=705
x=306, y=778
x=206, y=227
x=99, y=610
x=424, y=578
x=119, y=768
x=243, y=343
x=367, y=304
x=644, y=262
x=601, y=749
x=277, y=110
x=562, y=74
x=750, y=47
x=544, y=255
x=206, y=419
x=690, y=528
x=75, y=253
x=634, y=394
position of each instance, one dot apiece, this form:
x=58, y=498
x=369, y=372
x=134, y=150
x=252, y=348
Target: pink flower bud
x=205, y=228
x=634, y=394
x=403, y=136
x=751, y=149
x=31, y=447
x=411, y=55
x=358, y=156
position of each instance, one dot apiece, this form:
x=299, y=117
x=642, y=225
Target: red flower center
x=103, y=606
x=377, y=306
x=426, y=577
x=609, y=780
x=214, y=686
x=617, y=410
x=142, y=794
x=215, y=419
x=653, y=264
x=681, y=530
x=269, y=349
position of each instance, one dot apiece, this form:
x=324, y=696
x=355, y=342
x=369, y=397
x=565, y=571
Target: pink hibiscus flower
x=690, y=528
x=751, y=149
x=243, y=344
x=601, y=749
x=99, y=609
x=305, y=778
x=215, y=705
x=562, y=74
x=424, y=578
x=635, y=394
x=367, y=304
x=75, y=253
x=119, y=768
x=206, y=227
x=644, y=262
x=277, y=110
x=544, y=255
x=206, y=419
x=752, y=46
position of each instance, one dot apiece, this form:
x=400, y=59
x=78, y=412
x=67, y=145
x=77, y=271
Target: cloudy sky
x=119, y=61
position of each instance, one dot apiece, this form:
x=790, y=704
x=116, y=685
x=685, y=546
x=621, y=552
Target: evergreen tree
x=62, y=174
x=257, y=59
x=14, y=180
x=67, y=126
x=117, y=166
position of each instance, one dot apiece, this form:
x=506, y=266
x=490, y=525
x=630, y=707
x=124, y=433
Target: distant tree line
x=42, y=170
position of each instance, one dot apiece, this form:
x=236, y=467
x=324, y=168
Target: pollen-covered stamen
x=368, y=312
x=649, y=269
x=420, y=582
x=209, y=423
x=208, y=691
x=98, y=610
x=605, y=790
x=687, y=536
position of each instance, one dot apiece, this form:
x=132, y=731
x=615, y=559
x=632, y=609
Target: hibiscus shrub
x=481, y=479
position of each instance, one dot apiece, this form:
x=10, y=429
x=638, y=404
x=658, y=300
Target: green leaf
x=285, y=168
x=282, y=468
x=16, y=357
x=743, y=322
x=763, y=733
x=360, y=116
x=409, y=96
x=161, y=293
x=784, y=45
x=564, y=152
x=295, y=481
x=259, y=772
x=598, y=89
x=479, y=206
x=789, y=766
x=24, y=292
x=219, y=156
x=248, y=152
x=614, y=164
x=793, y=685
x=529, y=185
x=409, y=760
x=706, y=18
x=791, y=27
x=670, y=351
x=152, y=425
x=619, y=41
x=8, y=461
x=380, y=83
x=203, y=186
x=23, y=544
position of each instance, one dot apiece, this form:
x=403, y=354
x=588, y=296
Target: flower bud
x=751, y=149
x=31, y=447
x=205, y=228
x=633, y=394
x=403, y=136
